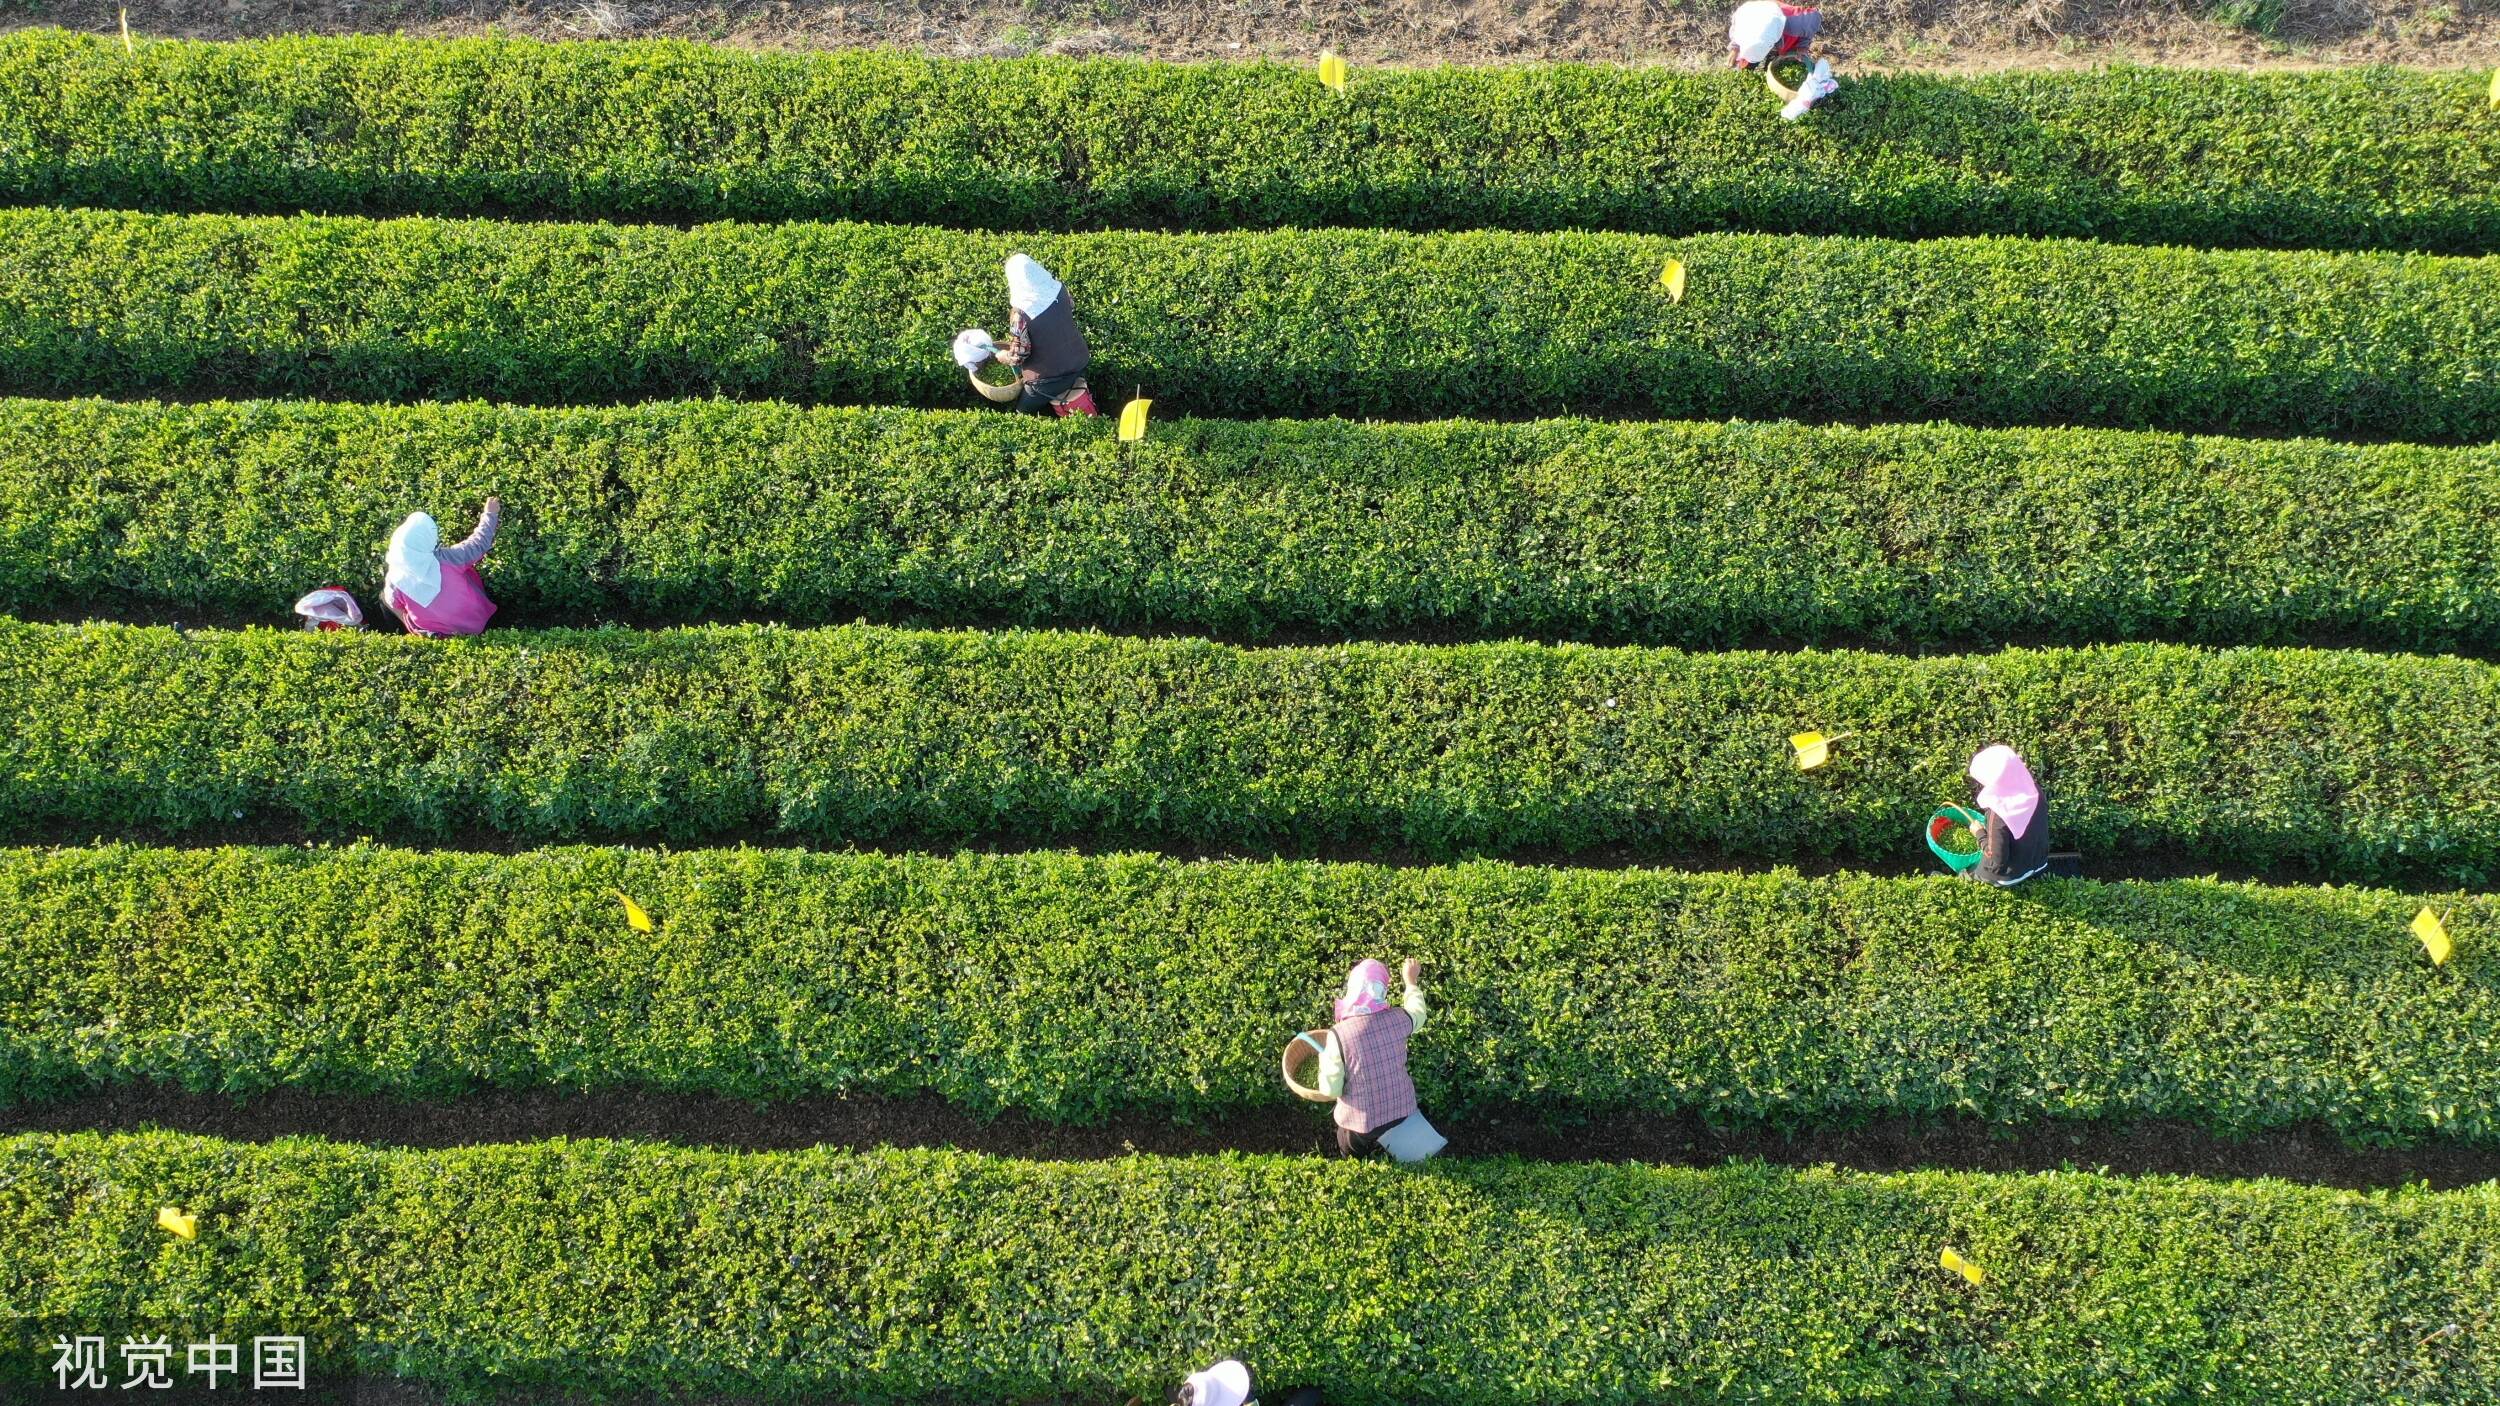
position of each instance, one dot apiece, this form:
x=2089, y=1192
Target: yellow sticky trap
x=635, y=918
x=2495, y=88
x=178, y=1221
x=126, y=31
x=1960, y=1266
x=1813, y=748
x=2434, y=935
x=1331, y=72
x=1672, y=279
x=1133, y=421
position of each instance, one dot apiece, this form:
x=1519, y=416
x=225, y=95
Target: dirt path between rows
x=1940, y=35
x=2313, y=1156
x=1911, y=861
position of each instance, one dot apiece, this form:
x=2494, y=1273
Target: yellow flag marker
x=1813, y=748
x=1331, y=72
x=1672, y=279
x=1133, y=421
x=2434, y=935
x=1960, y=1266
x=635, y=918
x=178, y=1221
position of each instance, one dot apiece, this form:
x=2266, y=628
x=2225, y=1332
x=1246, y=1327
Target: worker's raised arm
x=475, y=545
x=1414, y=1005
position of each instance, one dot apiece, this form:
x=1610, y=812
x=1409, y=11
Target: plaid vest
x=1377, y=1089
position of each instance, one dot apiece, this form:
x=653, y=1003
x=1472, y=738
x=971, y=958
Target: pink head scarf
x=1366, y=990
x=2006, y=787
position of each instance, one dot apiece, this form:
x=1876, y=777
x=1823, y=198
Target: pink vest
x=1377, y=1089
x=460, y=608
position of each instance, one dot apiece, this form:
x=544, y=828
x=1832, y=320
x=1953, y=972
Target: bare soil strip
x=1932, y=35
x=523, y=617
x=1912, y=860
x=1545, y=1132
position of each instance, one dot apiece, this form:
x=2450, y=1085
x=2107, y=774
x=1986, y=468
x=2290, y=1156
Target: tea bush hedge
x=1650, y=533
x=2354, y=764
x=2362, y=158
x=1072, y=987
x=1358, y=323
x=633, y=1271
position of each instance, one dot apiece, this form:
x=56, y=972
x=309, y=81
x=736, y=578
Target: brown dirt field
x=2313, y=1156
x=1946, y=35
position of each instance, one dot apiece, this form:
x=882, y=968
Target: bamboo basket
x=1302, y=1053
x=995, y=394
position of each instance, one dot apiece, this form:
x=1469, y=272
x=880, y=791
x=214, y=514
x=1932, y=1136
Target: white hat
x=1227, y=1383
x=1757, y=26
x=1030, y=288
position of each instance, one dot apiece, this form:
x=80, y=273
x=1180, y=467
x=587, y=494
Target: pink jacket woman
x=436, y=590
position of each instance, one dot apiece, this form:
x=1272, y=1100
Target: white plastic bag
x=330, y=608
x=1818, y=85
x=972, y=347
x=1414, y=1139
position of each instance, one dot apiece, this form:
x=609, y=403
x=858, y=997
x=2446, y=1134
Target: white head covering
x=1227, y=1383
x=2006, y=787
x=410, y=567
x=1030, y=286
x=1756, y=27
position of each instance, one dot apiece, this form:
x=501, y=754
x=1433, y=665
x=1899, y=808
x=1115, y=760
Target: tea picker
x=1762, y=30
x=433, y=589
x=1765, y=33
x=2009, y=833
x=1044, y=345
x=1362, y=1066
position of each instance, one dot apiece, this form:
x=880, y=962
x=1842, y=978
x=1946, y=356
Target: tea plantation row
x=1289, y=323
x=628, y=1270
x=2354, y=158
x=1073, y=987
x=2357, y=765
x=1659, y=533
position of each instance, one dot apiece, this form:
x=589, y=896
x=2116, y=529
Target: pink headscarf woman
x=436, y=590
x=1363, y=1063
x=2014, y=835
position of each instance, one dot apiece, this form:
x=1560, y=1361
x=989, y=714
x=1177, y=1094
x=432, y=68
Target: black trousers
x=1354, y=1144
x=1042, y=397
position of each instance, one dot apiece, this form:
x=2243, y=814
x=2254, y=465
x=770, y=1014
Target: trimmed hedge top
x=1651, y=533
x=2354, y=158
x=1072, y=987
x=1506, y=326
x=627, y=1270
x=2351, y=764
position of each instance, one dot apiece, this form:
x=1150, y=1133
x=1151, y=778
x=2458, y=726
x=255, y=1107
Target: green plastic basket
x=1945, y=820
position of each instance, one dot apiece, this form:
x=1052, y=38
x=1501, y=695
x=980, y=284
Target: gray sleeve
x=475, y=544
